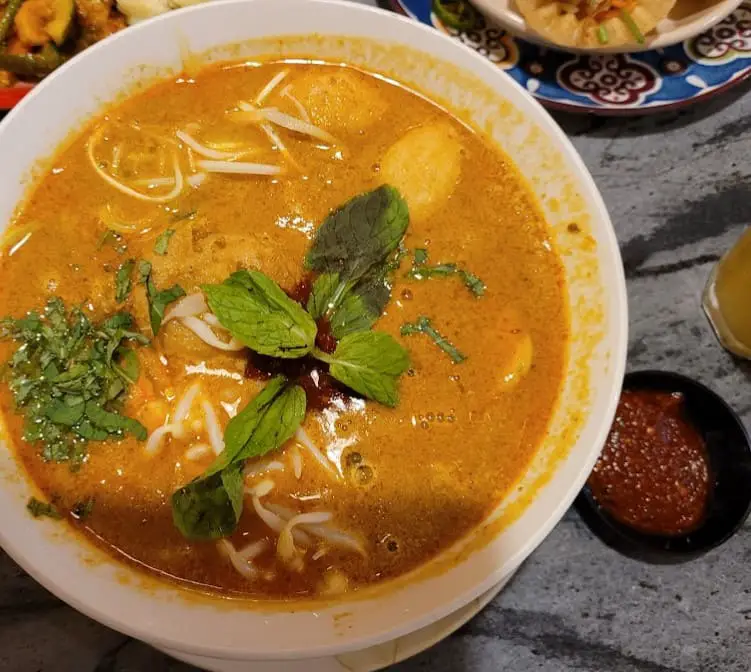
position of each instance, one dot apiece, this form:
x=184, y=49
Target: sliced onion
x=238, y=167
x=204, y=332
x=202, y=150
x=272, y=84
x=213, y=428
x=188, y=306
x=302, y=436
x=154, y=442
x=124, y=188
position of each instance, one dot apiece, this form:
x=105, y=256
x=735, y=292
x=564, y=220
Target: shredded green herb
x=123, y=284
x=158, y=299
x=424, y=326
x=420, y=271
x=456, y=14
x=68, y=378
x=631, y=25
x=162, y=242
x=39, y=509
x=602, y=34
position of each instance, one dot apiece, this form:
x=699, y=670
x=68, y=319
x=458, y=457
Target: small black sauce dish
x=729, y=456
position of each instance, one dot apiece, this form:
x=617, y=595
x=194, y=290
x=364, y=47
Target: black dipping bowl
x=729, y=455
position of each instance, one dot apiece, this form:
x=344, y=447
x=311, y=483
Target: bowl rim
x=512, y=20
x=639, y=545
x=617, y=331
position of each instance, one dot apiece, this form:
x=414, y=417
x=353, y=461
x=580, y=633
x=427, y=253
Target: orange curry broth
x=461, y=435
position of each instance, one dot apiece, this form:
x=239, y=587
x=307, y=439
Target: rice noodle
x=204, y=151
x=154, y=442
x=213, y=428
x=154, y=182
x=291, y=123
x=253, y=550
x=124, y=188
x=252, y=470
x=285, y=545
x=193, y=304
x=302, y=436
x=285, y=93
x=186, y=401
x=296, y=459
x=240, y=563
x=204, y=332
x=261, y=489
x=213, y=321
x=197, y=452
x=272, y=84
x=238, y=167
x=277, y=524
x=333, y=535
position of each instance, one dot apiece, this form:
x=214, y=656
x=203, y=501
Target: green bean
x=31, y=65
x=6, y=23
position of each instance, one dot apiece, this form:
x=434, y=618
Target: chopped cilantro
x=39, y=509
x=68, y=377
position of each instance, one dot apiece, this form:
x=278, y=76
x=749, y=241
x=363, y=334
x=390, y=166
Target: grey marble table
x=679, y=192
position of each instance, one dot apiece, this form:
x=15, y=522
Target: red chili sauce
x=653, y=474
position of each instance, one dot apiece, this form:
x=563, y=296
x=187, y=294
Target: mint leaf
x=210, y=506
x=424, y=326
x=360, y=234
x=369, y=362
x=123, y=285
x=351, y=251
x=162, y=242
x=257, y=312
x=158, y=299
x=37, y=508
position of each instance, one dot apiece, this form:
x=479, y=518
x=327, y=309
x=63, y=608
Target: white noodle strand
x=296, y=459
x=204, y=332
x=197, y=452
x=154, y=442
x=269, y=88
x=202, y=150
x=238, y=167
x=188, y=306
x=124, y=188
x=213, y=428
x=285, y=93
x=302, y=436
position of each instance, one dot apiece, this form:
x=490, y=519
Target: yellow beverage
x=727, y=297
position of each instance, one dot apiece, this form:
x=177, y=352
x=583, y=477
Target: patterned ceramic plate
x=614, y=84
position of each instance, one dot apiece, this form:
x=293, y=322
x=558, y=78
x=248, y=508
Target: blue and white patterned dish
x=613, y=84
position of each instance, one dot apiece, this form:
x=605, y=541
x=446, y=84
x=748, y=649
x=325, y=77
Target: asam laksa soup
x=279, y=330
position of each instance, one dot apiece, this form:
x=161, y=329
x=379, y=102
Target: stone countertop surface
x=679, y=192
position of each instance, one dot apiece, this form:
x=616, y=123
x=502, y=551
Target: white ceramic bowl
x=688, y=19
x=163, y=614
